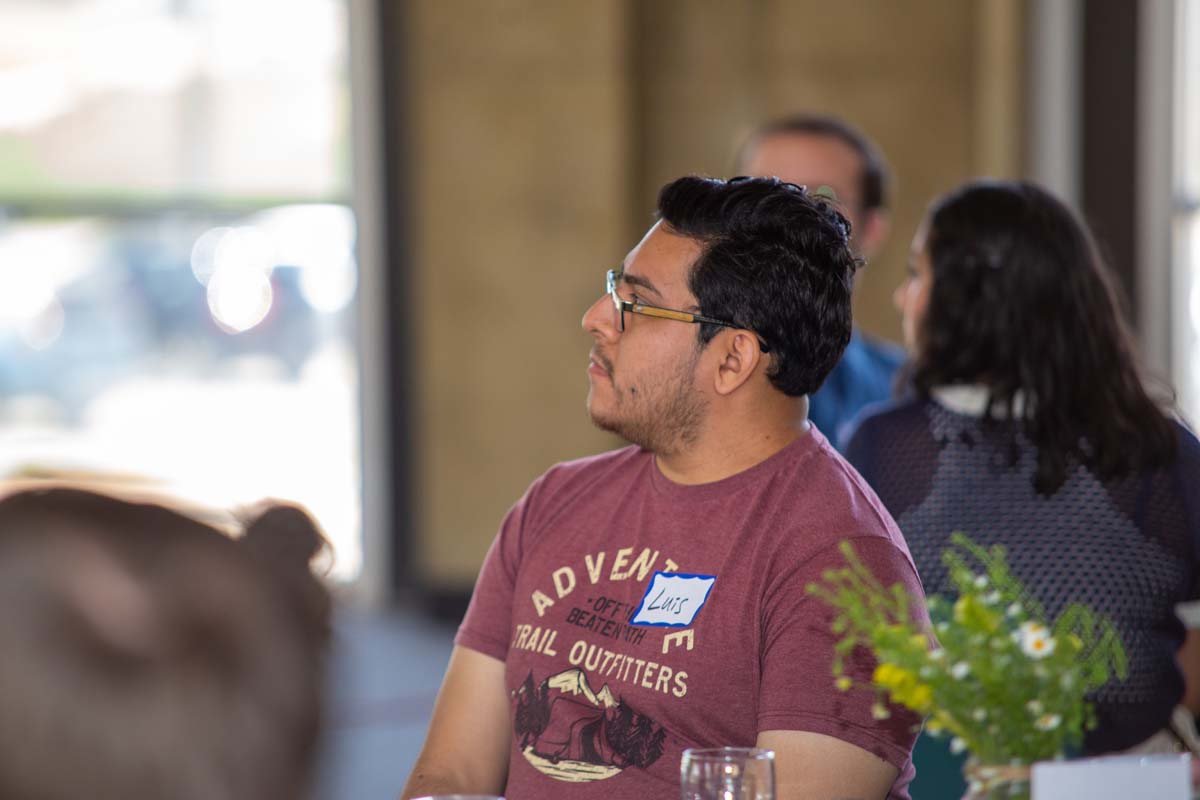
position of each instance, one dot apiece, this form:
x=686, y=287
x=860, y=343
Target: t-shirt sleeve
x=487, y=624
x=798, y=691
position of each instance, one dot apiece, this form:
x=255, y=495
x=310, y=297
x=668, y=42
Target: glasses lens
x=618, y=309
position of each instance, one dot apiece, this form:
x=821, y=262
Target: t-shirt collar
x=801, y=447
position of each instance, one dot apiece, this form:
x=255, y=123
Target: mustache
x=599, y=358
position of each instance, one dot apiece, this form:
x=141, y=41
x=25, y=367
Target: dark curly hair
x=1021, y=301
x=775, y=260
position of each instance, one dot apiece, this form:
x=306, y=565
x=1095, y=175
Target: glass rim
x=728, y=753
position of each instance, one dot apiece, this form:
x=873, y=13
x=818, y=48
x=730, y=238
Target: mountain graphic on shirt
x=568, y=731
x=573, y=681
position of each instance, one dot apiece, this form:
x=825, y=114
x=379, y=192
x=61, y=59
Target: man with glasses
x=652, y=599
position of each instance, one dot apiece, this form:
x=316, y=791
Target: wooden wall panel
x=519, y=146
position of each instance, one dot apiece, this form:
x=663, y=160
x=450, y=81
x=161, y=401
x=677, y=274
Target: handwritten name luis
x=672, y=605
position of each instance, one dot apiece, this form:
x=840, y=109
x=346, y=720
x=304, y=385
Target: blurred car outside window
x=177, y=251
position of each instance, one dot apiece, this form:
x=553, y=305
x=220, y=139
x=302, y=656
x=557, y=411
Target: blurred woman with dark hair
x=1028, y=424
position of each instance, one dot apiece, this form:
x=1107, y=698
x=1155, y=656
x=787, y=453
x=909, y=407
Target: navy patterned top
x=1129, y=548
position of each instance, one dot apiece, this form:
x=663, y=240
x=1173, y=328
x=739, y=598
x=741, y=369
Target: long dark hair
x=1022, y=302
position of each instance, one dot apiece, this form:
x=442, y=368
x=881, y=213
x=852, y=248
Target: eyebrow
x=638, y=280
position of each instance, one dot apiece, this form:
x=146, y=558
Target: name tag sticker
x=673, y=599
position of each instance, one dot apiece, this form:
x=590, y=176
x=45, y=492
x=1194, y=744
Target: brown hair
x=148, y=655
x=875, y=180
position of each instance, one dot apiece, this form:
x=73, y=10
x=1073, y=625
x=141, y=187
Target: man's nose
x=598, y=319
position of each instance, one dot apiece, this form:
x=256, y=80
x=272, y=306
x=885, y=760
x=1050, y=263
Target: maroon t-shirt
x=638, y=617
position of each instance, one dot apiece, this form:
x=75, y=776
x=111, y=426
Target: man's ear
x=876, y=224
x=739, y=355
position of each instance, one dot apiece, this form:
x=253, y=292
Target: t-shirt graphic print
x=575, y=724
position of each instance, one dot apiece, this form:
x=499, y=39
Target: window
x=1186, y=278
x=177, y=261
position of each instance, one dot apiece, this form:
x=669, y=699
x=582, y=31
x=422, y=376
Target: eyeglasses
x=620, y=305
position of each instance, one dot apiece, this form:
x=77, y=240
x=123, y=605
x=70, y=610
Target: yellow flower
x=843, y=684
x=889, y=676
x=904, y=686
x=919, y=698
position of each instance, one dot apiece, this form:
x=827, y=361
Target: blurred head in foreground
x=148, y=655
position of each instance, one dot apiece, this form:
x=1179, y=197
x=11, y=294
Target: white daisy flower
x=1047, y=722
x=1015, y=609
x=1036, y=640
x=1034, y=707
x=960, y=670
x=981, y=582
x=979, y=715
x=991, y=598
x=957, y=745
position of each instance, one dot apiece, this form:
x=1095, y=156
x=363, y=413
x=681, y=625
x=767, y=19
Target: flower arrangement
x=993, y=675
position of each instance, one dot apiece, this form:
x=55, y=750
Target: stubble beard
x=664, y=417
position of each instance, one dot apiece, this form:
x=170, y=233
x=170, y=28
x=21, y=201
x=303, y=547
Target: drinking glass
x=728, y=773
